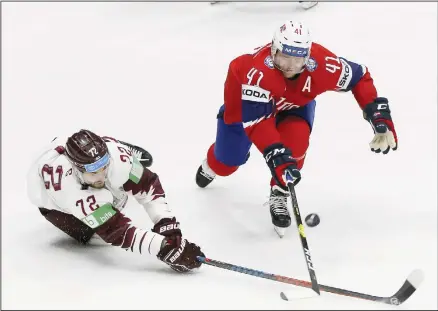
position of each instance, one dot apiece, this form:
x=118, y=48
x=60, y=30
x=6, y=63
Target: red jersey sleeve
x=341, y=75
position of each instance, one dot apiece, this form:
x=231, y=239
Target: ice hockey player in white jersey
x=81, y=184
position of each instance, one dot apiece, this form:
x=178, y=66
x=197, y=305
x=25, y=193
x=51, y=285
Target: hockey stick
x=289, y=181
x=406, y=290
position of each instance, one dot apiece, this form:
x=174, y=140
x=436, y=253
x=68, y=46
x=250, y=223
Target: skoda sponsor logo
x=254, y=93
x=345, y=76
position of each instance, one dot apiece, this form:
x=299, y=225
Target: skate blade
x=310, y=5
x=280, y=231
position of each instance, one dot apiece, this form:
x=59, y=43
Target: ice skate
x=308, y=4
x=143, y=156
x=204, y=175
x=278, y=208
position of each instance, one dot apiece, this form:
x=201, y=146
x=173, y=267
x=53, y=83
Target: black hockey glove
x=378, y=115
x=279, y=159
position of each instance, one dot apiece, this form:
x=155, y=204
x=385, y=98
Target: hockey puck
x=312, y=220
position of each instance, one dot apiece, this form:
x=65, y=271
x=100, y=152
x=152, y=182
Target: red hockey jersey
x=255, y=91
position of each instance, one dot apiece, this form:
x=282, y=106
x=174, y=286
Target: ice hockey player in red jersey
x=269, y=101
x=81, y=184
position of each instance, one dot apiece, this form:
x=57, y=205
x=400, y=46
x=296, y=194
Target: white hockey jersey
x=52, y=183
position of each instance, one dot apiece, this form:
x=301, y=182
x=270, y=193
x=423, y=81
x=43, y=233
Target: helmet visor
x=96, y=166
x=94, y=174
x=97, y=178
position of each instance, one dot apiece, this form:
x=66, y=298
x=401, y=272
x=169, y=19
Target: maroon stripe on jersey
x=147, y=181
x=133, y=242
x=149, y=248
x=115, y=229
x=141, y=242
x=129, y=236
x=109, y=139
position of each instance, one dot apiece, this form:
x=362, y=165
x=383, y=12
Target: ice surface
x=152, y=74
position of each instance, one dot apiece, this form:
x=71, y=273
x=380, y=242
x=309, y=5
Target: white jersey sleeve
x=36, y=189
x=128, y=174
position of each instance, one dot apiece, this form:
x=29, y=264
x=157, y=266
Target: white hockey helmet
x=294, y=41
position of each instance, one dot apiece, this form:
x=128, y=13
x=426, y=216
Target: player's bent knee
x=300, y=161
x=295, y=134
x=217, y=166
x=69, y=224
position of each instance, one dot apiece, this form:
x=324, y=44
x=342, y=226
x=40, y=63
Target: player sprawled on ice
x=269, y=101
x=81, y=184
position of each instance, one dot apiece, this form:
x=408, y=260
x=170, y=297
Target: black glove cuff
x=277, y=154
x=168, y=227
x=379, y=109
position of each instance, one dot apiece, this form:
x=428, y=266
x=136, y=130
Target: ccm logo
x=382, y=106
x=274, y=152
x=308, y=259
